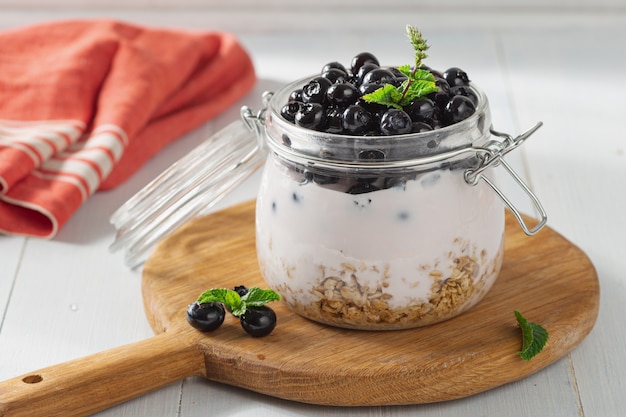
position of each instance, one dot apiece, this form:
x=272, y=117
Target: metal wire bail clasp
x=255, y=122
x=492, y=155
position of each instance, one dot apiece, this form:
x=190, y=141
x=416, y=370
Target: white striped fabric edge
x=40, y=139
x=96, y=151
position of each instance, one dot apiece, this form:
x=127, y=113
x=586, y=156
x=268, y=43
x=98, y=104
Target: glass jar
x=373, y=233
x=380, y=233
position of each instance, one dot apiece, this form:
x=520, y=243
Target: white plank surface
x=580, y=172
x=69, y=297
x=10, y=257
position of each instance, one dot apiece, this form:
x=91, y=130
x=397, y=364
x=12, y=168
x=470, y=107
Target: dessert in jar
x=372, y=224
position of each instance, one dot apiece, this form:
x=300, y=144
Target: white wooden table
x=69, y=297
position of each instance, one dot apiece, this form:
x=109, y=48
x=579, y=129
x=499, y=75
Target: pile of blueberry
x=257, y=321
x=333, y=101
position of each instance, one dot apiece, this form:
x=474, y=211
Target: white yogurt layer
x=417, y=253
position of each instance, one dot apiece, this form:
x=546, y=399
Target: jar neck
x=386, y=152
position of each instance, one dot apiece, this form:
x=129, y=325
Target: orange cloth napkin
x=83, y=104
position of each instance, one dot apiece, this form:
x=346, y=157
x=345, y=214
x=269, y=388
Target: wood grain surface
x=549, y=280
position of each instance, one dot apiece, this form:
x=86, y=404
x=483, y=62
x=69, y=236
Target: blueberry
x=315, y=90
x=419, y=127
x=362, y=187
x=456, y=76
x=421, y=110
x=363, y=71
x=311, y=116
x=205, y=317
x=397, y=181
x=334, y=65
x=357, y=121
x=241, y=290
x=321, y=179
x=335, y=75
x=371, y=155
x=438, y=123
x=290, y=109
x=363, y=58
x=395, y=122
x=458, y=108
x=334, y=117
x=442, y=95
x=342, y=94
x=461, y=90
x=367, y=89
x=258, y=321
x=295, y=95
x=379, y=76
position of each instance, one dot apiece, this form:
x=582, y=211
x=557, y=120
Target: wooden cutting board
x=547, y=278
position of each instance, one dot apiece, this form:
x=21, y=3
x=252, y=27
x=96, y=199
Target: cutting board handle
x=87, y=385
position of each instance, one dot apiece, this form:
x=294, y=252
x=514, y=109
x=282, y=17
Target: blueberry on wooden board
x=258, y=321
x=205, y=317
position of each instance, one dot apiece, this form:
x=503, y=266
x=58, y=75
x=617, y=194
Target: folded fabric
x=83, y=104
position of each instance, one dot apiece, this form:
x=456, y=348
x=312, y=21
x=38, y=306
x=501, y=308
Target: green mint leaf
x=422, y=75
x=214, y=295
x=234, y=303
x=257, y=297
x=415, y=89
x=387, y=95
x=534, y=337
x=238, y=310
x=230, y=299
x=406, y=70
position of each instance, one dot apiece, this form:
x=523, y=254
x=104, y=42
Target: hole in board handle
x=32, y=379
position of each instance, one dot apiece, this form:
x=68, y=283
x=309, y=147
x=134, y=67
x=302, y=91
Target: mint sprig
x=419, y=82
x=255, y=297
x=534, y=337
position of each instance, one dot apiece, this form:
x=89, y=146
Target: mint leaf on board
x=257, y=297
x=230, y=299
x=214, y=295
x=534, y=337
x=419, y=82
x=238, y=305
x=234, y=303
